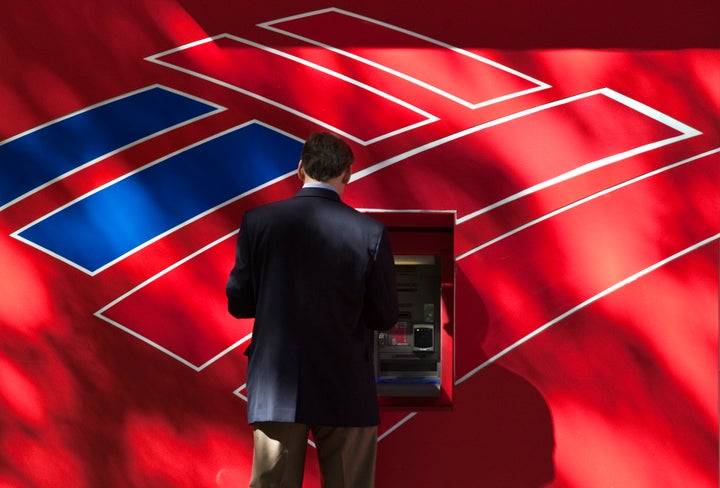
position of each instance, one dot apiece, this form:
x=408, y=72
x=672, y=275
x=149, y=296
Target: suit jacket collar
x=318, y=192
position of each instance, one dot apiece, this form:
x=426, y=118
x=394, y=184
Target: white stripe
x=583, y=201
x=585, y=304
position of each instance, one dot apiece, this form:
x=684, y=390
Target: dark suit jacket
x=317, y=276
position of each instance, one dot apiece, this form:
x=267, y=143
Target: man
x=318, y=277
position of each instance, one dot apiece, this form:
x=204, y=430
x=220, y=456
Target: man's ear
x=346, y=176
x=301, y=171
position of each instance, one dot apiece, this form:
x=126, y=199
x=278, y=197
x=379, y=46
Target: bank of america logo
x=422, y=90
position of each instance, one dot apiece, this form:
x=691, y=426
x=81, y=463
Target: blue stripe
x=42, y=155
x=99, y=229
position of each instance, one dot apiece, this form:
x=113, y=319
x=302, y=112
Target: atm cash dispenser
x=414, y=361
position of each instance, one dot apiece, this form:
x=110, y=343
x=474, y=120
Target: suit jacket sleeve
x=239, y=289
x=381, y=304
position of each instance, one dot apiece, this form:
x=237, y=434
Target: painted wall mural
x=585, y=182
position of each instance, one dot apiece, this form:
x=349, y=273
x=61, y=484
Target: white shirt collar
x=320, y=185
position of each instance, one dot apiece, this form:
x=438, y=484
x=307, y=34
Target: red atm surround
x=426, y=233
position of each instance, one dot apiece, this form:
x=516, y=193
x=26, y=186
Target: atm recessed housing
x=414, y=361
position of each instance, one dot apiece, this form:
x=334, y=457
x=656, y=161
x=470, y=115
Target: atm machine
x=414, y=360
x=407, y=357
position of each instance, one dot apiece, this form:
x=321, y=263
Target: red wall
x=579, y=147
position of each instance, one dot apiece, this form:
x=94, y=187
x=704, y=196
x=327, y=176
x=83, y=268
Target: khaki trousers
x=346, y=455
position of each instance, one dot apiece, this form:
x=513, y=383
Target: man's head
x=325, y=156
